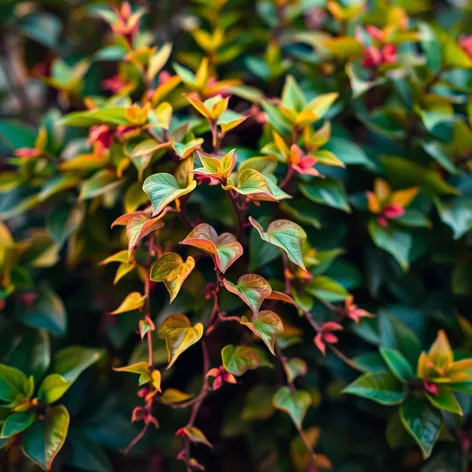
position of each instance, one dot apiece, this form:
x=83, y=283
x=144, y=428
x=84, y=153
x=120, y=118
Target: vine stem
x=309, y=317
x=198, y=403
x=284, y=363
x=239, y=213
x=289, y=176
x=135, y=441
x=147, y=314
x=147, y=303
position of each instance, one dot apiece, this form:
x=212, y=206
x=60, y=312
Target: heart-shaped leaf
x=266, y=326
x=252, y=289
x=381, y=387
x=224, y=248
x=163, y=189
x=286, y=235
x=138, y=225
x=238, y=360
x=179, y=335
x=422, y=421
x=43, y=441
x=294, y=403
x=133, y=301
x=258, y=186
x=296, y=367
x=172, y=270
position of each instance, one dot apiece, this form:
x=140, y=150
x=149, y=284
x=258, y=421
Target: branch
x=283, y=362
x=197, y=405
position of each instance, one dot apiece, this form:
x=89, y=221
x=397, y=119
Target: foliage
x=244, y=225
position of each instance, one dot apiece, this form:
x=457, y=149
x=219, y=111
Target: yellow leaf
x=440, y=353
x=404, y=197
x=179, y=335
x=172, y=271
x=133, y=301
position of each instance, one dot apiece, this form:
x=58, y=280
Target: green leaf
x=13, y=382
x=101, y=183
x=286, y=235
x=292, y=95
x=225, y=249
x=64, y=220
x=179, y=335
x=394, y=334
x=296, y=367
x=431, y=46
x=456, y=213
x=109, y=115
x=445, y=400
x=395, y=241
x=48, y=312
x=17, y=423
x=195, y=435
x=84, y=454
x=348, y=152
x=397, y=363
x=294, y=403
x=43, y=441
x=303, y=211
x=396, y=434
x=15, y=134
x=171, y=269
x=437, y=151
x=260, y=253
x=163, y=189
x=266, y=326
x=423, y=423
x=404, y=173
x=381, y=387
x=326, y=288
x=259, y=186
x=252, y=289
x=73, y=360
x=53, y=388
x=327, y=192
x=238, y=360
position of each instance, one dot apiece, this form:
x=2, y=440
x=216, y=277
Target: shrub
x=240, y=226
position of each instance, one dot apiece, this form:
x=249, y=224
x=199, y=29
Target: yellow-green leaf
x=163, y=189
x=133, y=301
x=179, y=335
x=286, y=235
x=172, y=271
x=266, y=326
x=294, y=403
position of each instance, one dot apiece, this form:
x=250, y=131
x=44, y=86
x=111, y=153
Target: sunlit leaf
x=171, y=269
x=179, y=335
